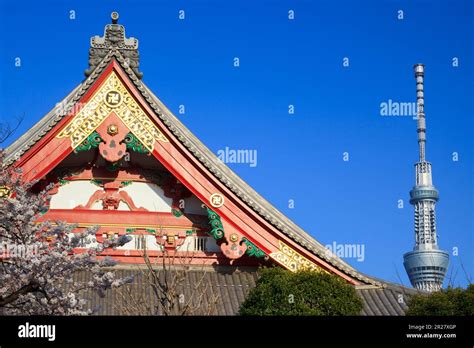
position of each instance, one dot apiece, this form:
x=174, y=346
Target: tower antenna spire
x=420, y=98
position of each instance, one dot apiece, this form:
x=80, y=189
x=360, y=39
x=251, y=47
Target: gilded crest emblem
x=113, y=99
x=216, y=200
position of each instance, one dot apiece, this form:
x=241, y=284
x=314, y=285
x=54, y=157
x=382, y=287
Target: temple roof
x=228, y=287
x=219, y=169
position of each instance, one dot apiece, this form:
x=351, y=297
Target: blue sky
x=283, y=62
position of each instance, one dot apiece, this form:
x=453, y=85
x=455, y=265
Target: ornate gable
x=112, y=97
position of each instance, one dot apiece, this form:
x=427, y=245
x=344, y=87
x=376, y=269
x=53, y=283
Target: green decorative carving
x=126, y=183
x=133, y=144
x=130, y=230
x=63, y=182
x=176, y=212
x=252, y=249
x=217, y=230
x=97, y=182
x=91, y=142
x=150, y=230
x=189, y=232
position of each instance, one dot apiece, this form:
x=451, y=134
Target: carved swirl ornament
x=292, y=260
x=112, y=96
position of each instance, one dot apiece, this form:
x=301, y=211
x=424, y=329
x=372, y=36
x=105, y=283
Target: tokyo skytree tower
x=426, y=265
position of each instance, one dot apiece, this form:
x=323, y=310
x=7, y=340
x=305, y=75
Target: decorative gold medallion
x=112, y=96
x=5, y=192
x=216, y=200
x=170, y=239
x=234, y=238
x=113, y=99
x=112, y=129
x=292, y=260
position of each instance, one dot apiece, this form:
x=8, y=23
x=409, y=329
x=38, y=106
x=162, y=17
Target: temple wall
x=148, y=196
x=72, y=194
x=191, y=243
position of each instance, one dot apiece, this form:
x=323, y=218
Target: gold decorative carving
x=112, y=96
x=112, y=129
x=4, y=192
x=292, y=260
x=113, y=99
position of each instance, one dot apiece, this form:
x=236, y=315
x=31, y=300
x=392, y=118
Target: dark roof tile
x=230, y=288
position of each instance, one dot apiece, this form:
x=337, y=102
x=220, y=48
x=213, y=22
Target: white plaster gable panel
x=148, y=196
x=72, y=194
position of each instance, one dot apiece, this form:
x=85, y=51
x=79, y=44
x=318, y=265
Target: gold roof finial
x=115, y=16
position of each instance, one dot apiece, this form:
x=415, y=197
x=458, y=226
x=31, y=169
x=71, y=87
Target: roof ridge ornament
x=114, y=39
